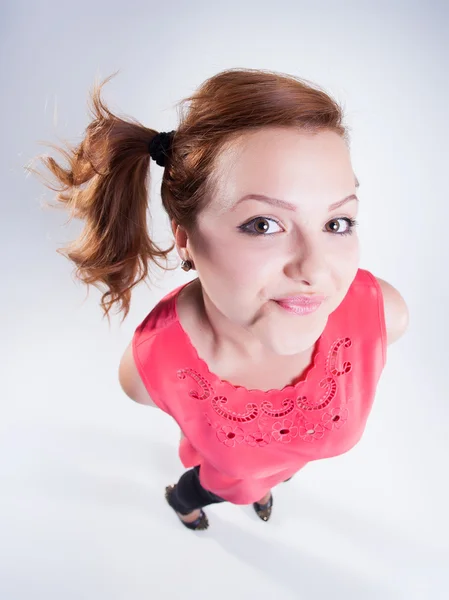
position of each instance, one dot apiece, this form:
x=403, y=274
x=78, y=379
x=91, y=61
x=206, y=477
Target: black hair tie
x=160, y=147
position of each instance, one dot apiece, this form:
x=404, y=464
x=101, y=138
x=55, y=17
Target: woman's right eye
x=261, y=226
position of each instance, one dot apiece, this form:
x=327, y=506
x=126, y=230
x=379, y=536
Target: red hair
x=106, y=181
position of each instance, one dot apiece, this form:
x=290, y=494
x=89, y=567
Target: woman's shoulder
x=164, y=313
x=396, y=311
x=142, y=358
x=392, y=308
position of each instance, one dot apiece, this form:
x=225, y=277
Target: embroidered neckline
x=289, y=388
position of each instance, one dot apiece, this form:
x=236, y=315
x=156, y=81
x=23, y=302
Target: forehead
x=284, y=163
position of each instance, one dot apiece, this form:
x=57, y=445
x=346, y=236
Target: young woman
x=270, y=358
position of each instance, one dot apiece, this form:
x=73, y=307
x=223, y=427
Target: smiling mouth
x=303, y=308
x=301, y=300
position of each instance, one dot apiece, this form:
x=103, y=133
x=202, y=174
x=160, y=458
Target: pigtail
x=106, y=186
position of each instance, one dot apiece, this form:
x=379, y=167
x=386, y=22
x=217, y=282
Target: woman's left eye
x=262, y=226
x=350, y=224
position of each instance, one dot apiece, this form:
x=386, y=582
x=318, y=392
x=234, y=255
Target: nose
x=308, y=264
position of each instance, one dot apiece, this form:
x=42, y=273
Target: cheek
x=212, y=249
x=353, y=256
x=226, y=268
x=345, y=265
x=231, y=255
x=345, y=256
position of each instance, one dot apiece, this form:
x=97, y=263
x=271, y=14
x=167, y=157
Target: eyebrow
x=289, y=205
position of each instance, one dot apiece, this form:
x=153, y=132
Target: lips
x=299, y=308
x=301, y=300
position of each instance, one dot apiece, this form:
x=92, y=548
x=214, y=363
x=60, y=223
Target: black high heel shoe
x=263, y=511
x=199, y=524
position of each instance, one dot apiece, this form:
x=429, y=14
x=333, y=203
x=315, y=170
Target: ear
x=180, y=238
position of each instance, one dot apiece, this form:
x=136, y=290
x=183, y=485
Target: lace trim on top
x=290, y=388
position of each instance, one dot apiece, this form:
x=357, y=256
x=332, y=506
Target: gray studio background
x=83, y=468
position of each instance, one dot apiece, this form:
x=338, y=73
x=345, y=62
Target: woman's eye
x=258, y=226
x=337, y=228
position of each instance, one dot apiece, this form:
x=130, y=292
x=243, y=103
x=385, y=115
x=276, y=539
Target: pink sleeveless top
x=248, y=441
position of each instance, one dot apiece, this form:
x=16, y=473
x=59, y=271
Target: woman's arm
x=130, y=380
x=396, y=312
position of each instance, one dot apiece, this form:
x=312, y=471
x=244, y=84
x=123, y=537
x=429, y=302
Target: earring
x=186, y=265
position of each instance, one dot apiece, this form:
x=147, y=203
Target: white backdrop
x=83, y=468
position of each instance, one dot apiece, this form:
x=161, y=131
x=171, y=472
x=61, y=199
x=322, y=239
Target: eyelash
x=243, y=228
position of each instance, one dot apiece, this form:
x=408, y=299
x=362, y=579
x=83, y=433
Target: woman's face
x=249, y=252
